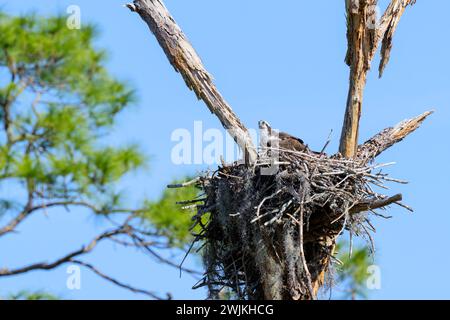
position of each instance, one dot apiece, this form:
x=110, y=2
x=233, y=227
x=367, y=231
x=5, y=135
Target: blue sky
x=284, y=64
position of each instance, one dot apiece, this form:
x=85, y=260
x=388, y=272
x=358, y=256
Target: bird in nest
x=270, y=138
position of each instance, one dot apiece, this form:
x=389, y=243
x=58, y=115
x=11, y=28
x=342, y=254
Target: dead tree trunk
x=364, y=35
x=273, y=237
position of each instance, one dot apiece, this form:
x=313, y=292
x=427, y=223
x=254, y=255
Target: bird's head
x=263, y=124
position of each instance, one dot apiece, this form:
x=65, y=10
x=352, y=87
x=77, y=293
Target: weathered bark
x=364, y=35
x=186, y=61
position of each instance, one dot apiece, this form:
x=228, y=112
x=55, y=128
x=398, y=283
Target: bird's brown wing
x=290, y=142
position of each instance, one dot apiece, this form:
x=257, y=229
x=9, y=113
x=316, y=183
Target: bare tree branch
x=67, y=258
x=10, y=226
x=140, y=239
x=85, y=204
x=22, y=215
x=185, y=60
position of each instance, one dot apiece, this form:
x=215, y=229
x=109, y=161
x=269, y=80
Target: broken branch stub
x=186, y=61
x=388, y=25
x=364, y=34
x=388, y=137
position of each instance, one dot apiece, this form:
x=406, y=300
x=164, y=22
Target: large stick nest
x=272, y=236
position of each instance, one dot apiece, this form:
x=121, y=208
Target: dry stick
x=190, y=201
x=186, y=254
x=327, y=142
x=405, y=206
x=376, y=204
x=229, y=175
x=67, y=258
x=185, y=60
x=184, y=184
x=364, y=37
x=261, y=204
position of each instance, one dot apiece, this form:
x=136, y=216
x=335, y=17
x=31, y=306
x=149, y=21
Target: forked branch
x=186, y=61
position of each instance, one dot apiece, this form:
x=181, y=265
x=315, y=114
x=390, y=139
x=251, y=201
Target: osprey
x=270, y=138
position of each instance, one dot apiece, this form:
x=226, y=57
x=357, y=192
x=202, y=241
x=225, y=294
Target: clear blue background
x=283, y=63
